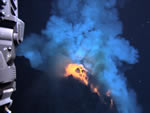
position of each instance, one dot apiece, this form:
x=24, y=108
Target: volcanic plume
x=87, y=33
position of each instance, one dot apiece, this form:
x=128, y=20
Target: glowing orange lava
x=95, y=90
x=78, y=72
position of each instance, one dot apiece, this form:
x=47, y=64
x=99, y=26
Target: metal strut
x=11, y=35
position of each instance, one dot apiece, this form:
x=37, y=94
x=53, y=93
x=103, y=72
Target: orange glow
x=111, y=103
x=78, y=72
x=95, y=90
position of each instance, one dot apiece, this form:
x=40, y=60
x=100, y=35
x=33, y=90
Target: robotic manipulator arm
x=11, y=35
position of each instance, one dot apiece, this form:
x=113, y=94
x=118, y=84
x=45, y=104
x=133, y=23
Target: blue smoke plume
x=87, y=32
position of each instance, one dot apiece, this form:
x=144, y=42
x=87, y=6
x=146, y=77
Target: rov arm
x=11, y=35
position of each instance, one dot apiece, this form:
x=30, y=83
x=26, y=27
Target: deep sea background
x=135, y=17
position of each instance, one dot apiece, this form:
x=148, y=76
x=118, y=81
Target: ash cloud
x=86, y=32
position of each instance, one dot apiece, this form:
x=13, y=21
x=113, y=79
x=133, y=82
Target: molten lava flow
x=78, y=72
x=95, y=90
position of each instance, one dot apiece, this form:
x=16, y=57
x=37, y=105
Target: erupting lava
x=78, y=72
x=95, y=90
